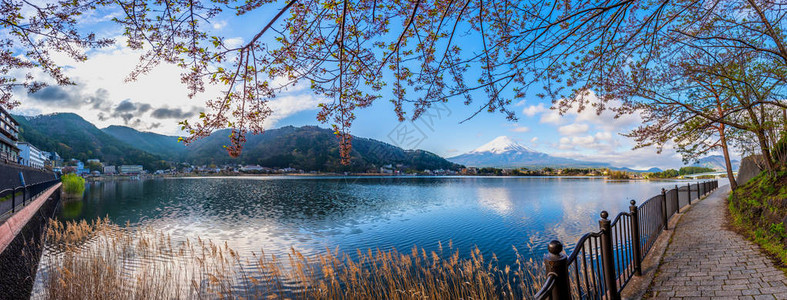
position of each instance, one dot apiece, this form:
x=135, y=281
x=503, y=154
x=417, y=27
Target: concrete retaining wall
x=9, y=175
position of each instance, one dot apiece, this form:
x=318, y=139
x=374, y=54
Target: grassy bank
x=101, y=260
x=758, y=210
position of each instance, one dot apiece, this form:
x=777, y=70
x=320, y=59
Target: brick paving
x=706, y=261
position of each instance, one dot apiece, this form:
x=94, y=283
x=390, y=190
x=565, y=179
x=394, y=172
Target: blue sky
x=157, y=101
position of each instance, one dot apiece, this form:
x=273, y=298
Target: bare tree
x=355, y=53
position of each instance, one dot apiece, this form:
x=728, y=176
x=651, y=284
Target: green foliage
x=490, y=171
x=94, y=166
x=672, y=173
x=73, y=185
x=778, y=230
x=669, y=173
x=779, y=151
x=694, y=170
x=619, y=175
x=757, y=211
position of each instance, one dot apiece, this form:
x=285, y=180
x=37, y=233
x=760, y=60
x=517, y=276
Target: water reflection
x=312, y=214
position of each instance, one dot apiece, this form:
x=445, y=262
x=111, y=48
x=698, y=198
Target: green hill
x=73, y=137
x=307, y=148
x=312, y=148
x=162, y=145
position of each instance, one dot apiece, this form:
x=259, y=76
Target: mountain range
x=306, y=148
x=504, y=152
x=717, y=163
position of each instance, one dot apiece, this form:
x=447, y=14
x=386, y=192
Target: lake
x=311, y=214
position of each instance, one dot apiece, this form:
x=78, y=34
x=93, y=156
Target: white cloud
x=233, y=42
x=218, y=25
x=603, y=135
x=288, y=105
x=534, y=139
x=573, y=129
x=583, y=140
x=532, y=110
x=551, y=117
x=590, y=136
x=520, y=129
x=159, y=89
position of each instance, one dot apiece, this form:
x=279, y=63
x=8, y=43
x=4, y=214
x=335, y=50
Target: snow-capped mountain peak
x=502, y=144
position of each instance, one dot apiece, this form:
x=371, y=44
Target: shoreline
x=367, y=175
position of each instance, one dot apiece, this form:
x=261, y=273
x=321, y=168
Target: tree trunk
x=763, y=140
x=766, y=151
x=726, y=152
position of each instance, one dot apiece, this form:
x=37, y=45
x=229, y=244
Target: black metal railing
x=12, y=198
x=603, y=262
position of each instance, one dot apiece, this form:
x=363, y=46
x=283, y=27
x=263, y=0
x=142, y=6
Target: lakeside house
x=109, y=170
x=31, y=156
x=53, y=160
x=9, y=152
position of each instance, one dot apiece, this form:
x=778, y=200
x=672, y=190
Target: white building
x=30, y=156
x=130, y=169
x=251, y=168
x=110, y=170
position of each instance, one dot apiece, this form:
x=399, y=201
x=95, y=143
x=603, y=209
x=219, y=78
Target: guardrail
x=11, y=198
x=603, y=262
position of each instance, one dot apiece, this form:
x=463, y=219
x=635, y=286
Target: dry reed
x=101, y=260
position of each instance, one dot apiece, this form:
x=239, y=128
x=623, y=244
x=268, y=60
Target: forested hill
x=306, y=148
x=73, y=137
x=163, y=145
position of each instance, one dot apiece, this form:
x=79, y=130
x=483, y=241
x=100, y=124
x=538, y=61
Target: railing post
x=556, y=262
x=701, y=187
x=688, y=191
x=13, y=200
x=635, y=234
x=664, y=208
x=608, y=257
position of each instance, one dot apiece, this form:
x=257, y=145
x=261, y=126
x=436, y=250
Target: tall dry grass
x=101, y=260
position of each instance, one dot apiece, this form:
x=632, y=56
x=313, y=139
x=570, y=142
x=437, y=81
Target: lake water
x=276, y=214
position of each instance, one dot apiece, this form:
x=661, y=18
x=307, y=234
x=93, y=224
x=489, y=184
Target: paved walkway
x=704, y=260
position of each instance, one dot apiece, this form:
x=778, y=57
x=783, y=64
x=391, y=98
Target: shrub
x=73, y=185
x=779, y=151
x=618, y=175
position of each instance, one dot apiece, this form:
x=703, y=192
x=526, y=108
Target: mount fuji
x=505, y=152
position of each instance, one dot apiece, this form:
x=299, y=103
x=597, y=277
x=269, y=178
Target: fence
x=11, y=198
x=603, y=262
